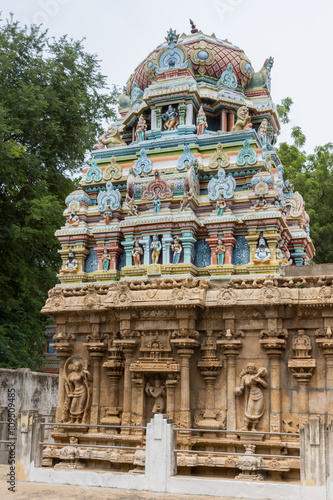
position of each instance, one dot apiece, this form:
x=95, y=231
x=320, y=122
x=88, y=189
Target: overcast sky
x=297, y=33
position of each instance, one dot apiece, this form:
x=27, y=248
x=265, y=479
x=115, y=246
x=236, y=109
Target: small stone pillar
x=209, y=367
x=96, y=351
x=231, y=121
x=224, y=121
x=185, y=349
x=188, y=241
x=302, y=366
x=274, y=343
x=115, y=368
x=63, y=351
x=171, y=383
x=212, y=242
x=189, y=114
x=313, y=460
x=114, y=250
x=138, y=383
x=128, y=246
x=158, y=112
x=325, y=342
x=252, y=239
x=128, y=346
x=182, y=113
x=153, y=119
x=145, y=242
x=229, y=243
x=231, y=346
x=160, y=455
x=167, y=241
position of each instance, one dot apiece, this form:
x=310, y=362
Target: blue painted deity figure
x=220, y=251
x=170, y=118
x=177, y=250
x=262, y=255
x=157, y=204
x=106, y=260
x=156, y=249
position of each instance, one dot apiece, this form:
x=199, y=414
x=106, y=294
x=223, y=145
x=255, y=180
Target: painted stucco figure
x=243, y=121
x=263, y=254
x=220, y=203
x=132, y=206
x=201, y=122
x=157, y=204
x=106, y=260
x=136, y=253
x=107, y=215
x=220, y=252
x=170, y=118
x=156, y=249
x=141, y=129
x=73, y=219
x=71, y=264
x=177, y=249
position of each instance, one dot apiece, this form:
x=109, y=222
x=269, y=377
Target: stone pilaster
x=64, y=351
x=302, y=367
x=273, y=342
x=167, y=241
x=209, y=367
x=185, y=348
x=115, y=367
x=128, y=346
x=96, y=351
x=188, y=241
x=230, y=346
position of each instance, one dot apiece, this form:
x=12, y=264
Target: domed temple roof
x=208, y=57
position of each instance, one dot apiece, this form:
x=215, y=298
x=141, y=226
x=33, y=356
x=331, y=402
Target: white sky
x=297, y=33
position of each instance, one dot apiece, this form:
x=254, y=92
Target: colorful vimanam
x=173, y=297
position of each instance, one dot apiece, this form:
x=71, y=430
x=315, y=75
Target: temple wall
x=33, y=390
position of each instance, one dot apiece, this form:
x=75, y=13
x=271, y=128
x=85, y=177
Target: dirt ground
x=40, y=491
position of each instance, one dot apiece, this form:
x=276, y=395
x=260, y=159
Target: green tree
x=312, y=176
x=53, y=99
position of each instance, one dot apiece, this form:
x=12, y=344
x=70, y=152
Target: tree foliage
x=312, y=176
x=53, y=99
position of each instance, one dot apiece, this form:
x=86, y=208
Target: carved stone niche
x=302, y=365
x=155, y=375
x=156, y=354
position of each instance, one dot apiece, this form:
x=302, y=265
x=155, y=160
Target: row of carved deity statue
x=171, y=119
x=78, y=389
x=262, y=254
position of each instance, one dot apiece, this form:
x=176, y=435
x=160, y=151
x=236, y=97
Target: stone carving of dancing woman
x=77, y=388
x=251, y=379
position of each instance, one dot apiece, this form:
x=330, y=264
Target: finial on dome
x=193, y=28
